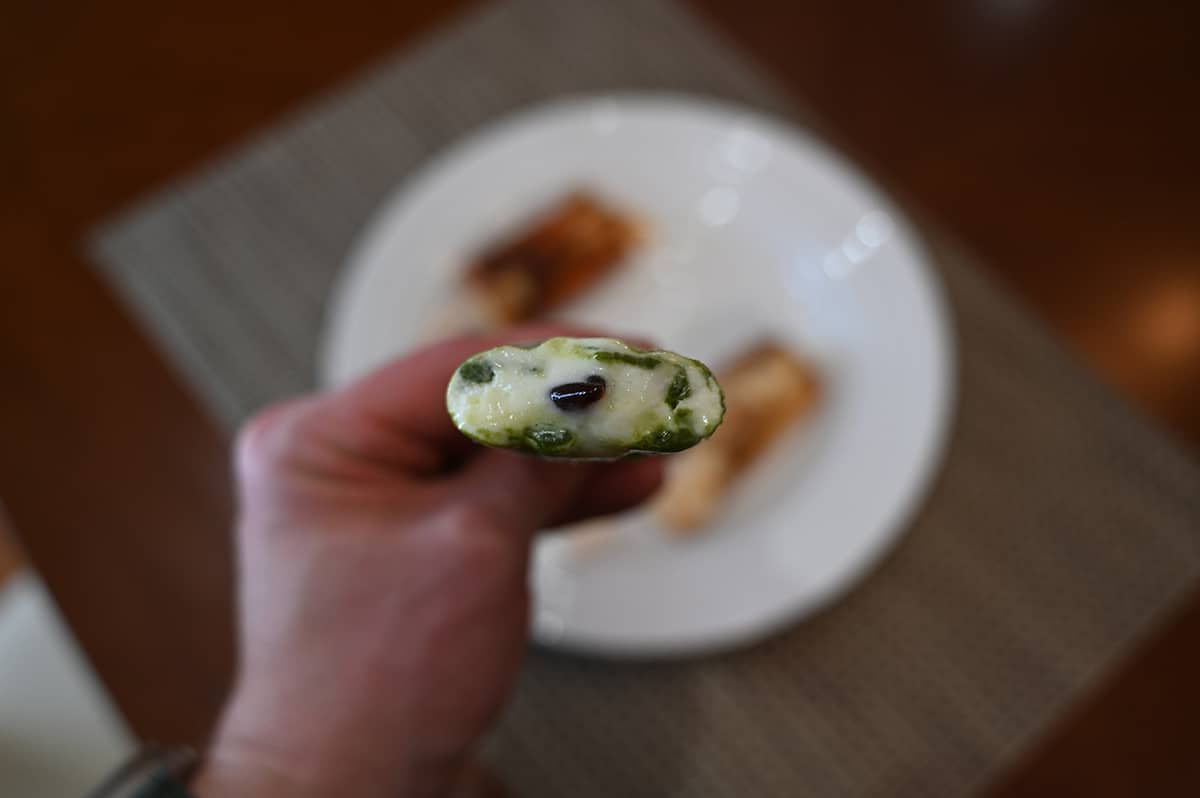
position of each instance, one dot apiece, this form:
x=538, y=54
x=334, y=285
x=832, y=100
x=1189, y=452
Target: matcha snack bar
x=584, y=398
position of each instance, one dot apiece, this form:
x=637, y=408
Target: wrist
x=229, y=771
x=262, y=752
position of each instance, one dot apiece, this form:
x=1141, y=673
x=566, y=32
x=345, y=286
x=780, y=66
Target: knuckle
x=467, y=538
x=267, y=440
x=462, y=520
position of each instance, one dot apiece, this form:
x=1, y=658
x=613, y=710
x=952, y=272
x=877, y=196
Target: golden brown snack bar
x=767, y=390
x=566, y=251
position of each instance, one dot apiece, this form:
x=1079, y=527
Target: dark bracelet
x=155, y=771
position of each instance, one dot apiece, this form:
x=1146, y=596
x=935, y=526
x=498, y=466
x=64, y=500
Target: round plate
x=755, y=230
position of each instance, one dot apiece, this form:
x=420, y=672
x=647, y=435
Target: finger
x=524, y=492
x=615, y=487
x=531, y=494
x=397, y=414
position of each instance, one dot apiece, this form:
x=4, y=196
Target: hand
x=383, y=600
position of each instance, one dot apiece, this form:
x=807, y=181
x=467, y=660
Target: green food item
x=584, y=398
x=641, y=361
x=549, y=440
x=476, y=371
x=666, y=439
x=679, y=389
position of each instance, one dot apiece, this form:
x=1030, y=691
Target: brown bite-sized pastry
x=562, y=254
x=767, y=390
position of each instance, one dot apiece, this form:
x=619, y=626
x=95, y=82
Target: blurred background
x=1058, y=140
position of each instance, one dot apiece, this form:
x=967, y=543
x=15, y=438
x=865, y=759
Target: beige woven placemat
x=1061, y=528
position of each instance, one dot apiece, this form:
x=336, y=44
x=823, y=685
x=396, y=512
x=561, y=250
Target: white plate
x=755, y=228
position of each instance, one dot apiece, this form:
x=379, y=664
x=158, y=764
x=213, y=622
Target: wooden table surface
x=1060, y=140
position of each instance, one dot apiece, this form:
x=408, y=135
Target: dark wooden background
x=1060, y=139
